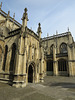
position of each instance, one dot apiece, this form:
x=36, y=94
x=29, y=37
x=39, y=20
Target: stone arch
x=5, y=57
x=13, y=58
x=63, y=47
x=62, y=66
x=32, y=63
x=31, y=72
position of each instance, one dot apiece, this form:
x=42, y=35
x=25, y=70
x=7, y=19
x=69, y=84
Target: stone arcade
x=26, y=57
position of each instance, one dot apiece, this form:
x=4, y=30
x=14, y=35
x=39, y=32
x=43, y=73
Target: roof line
x=56, y=36
x=10, y=18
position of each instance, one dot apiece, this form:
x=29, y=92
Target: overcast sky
x=52, y=14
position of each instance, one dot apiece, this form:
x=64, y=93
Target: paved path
x=54, y=88
x=55, y=92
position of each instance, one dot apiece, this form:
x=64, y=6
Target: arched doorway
x=62, y=67
x=30, y=74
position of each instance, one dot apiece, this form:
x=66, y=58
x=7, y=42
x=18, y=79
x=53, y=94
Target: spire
x=39, y=30
x=0, y=5
x=25, y=18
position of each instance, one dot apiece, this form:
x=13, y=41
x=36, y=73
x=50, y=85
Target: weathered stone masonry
x=26, y=57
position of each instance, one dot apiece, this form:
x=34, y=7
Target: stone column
x=25, y=58
x=8, y=59
x=69, y=61
x=70, y=56
x=73, y=63
x=73, y=53
x=37, y=64
x=35, y=74
x=3, y=54
x=55, y=67
x=40, y=59
x=41, y=65
x=30, y=53
x=17, y=60
x=35, y=54
x=21, y=54
x=45, y=67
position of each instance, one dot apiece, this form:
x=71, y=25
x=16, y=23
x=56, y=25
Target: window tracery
x=63, y=48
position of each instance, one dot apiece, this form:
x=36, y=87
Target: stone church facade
x=26, y=57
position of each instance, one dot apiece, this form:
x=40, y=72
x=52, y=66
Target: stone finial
x=25, y=16
x=7, y=19
x=68, y=29
x=31, y=28
x=25, y=10
x=8, y=14
x=14, y=15
x=13, y=21
x=0, y=5
x=56, y=32
x=54, y=36
x=47, y=35
x=39, y=24
x=39, y=28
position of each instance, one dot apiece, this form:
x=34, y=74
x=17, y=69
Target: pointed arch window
x=51, y=49
x=63, y=48
x=13, y=58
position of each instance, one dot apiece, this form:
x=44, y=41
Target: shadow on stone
x=64, y=85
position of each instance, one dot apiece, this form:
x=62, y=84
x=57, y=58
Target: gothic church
x=26, y=57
